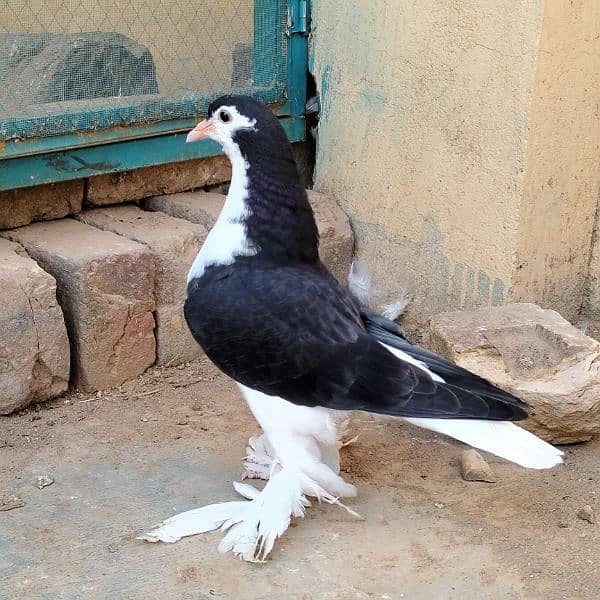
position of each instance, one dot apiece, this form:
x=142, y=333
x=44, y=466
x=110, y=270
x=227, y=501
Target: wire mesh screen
x=83, y=65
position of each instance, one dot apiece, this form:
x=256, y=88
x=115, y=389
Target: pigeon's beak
x=200, y=132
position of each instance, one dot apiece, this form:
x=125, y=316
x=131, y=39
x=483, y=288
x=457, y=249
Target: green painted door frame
x=39, y=160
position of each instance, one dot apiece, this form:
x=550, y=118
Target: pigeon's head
x=243, y=125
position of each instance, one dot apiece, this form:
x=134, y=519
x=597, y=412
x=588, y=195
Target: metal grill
x=71, y=66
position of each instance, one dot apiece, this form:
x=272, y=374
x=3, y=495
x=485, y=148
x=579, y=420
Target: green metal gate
x=98, y=86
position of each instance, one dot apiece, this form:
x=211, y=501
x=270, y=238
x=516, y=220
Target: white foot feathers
x=258, y=460
x=252, y=526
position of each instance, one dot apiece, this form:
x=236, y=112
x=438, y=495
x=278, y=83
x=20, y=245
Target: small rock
x=586, y=513
x=44, y=481
x=182, y=421
x=474, y=467
x=50, y=422
x=10, y=502
x=112, y=548
x=439, y=505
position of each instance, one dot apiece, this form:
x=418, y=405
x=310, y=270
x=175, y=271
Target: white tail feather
x=359, y=281
x=502, y=438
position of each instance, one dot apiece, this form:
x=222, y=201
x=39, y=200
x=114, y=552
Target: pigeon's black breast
x=267, y=326
x=292, y=331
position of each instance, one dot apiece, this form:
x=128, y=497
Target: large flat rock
x=534, y=354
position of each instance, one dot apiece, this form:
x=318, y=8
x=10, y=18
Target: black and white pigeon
x=304, y=350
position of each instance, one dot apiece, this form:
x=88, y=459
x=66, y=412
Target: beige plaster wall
x=430, y=111
x=563, y=163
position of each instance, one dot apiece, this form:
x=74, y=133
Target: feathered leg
x=260, y=455
x=300, y=449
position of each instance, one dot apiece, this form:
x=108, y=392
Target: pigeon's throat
x=274, y=210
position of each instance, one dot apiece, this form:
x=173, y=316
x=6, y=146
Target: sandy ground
x=124, y=460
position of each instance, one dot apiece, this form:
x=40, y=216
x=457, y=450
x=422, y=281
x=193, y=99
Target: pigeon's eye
x=224, y=116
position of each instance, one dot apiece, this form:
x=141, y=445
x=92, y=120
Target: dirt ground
x=124, y=460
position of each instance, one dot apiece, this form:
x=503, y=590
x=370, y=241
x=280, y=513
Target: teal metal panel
x=299, y=19
x=36, y=169
x=107, y=149
x=26, y=147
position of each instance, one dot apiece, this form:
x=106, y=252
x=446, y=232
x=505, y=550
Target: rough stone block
x=536, y=355
x=197, y=207
x=34, y=348
x=174, y=244
x=162, y=179
x=337, y=241
x=174, y=342
x=40, y=203
x=105, y=286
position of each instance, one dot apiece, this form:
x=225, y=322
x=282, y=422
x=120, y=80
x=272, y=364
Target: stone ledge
x=40, y=203
x=174, y=243
x=105, y=287
x=34, y=348
x=115, y=188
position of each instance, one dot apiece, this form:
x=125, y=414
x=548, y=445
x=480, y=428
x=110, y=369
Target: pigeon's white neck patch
x=227, y=239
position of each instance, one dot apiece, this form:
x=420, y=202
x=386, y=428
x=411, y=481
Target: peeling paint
x=469, y=288
x=421, y=270
x=498, y=293
x=484, y=289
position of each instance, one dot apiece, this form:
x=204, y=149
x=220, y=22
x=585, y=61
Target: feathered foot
x=252, y=527
x=260, y=455
x=259, y=458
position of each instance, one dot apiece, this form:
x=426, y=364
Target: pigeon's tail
x=499, y=437
x=502, y=438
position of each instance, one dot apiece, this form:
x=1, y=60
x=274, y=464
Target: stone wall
x=93, y=277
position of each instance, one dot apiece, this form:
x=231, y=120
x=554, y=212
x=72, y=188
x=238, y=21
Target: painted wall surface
x=563, y=164
x=432, y=137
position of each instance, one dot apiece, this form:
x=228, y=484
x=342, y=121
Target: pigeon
x=305, y=351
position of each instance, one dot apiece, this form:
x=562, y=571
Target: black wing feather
x=295, y=333
x=391, y=334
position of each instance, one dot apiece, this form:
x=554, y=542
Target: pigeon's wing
x=295, y=333
x=391, y=334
